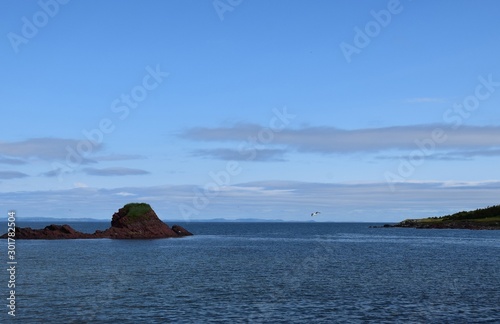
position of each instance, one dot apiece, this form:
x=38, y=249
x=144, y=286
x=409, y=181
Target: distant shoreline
x=212, y=220
x=479, y=219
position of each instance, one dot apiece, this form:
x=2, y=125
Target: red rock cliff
x=133, y=221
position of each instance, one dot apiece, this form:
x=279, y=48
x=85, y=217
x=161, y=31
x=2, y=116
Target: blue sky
x=365, y=111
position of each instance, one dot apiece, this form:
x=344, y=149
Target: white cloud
x=125, y=194
x=7, y=175
x=270, y=199
x=80, y=185
x=449, y=156
x=334, y=140
x=245, y=154
x=118, y=157
x=49, y=149
x=11, y=161
x=114, y=171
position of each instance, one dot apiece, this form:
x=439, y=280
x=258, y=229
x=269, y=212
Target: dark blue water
x=262, y=273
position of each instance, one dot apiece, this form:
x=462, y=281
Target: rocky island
x=132, y=221
x=479, y=219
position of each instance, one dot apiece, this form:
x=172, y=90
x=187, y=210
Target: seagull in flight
x=315, y=213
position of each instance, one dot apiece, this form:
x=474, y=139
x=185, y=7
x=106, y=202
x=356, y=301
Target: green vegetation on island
x=136, y=210
x=483, y=218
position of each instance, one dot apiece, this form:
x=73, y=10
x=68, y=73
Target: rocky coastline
x=479, y=219
x=410, y=223
x=132, y=221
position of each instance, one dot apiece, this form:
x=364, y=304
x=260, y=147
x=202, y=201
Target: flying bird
x=315, y=213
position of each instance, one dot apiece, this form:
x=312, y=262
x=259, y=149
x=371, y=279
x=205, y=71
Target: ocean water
x=261, y=273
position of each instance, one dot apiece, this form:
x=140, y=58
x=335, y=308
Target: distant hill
x=489, y=213
x=212, y=220
x=484, y=218
x=237, y=220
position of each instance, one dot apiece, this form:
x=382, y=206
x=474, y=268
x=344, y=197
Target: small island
x=479, y=219
x=132, y=221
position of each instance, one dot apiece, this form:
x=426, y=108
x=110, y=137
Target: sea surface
x=261, y=273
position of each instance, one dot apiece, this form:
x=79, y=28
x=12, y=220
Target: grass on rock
x=136, y=210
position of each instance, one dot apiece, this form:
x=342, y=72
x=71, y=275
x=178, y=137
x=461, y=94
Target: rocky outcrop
x=50, y=232
x=133, y=221
x=181, y=230
x=137, y=221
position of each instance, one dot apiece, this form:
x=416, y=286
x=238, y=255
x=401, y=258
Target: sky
x=372, y=111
